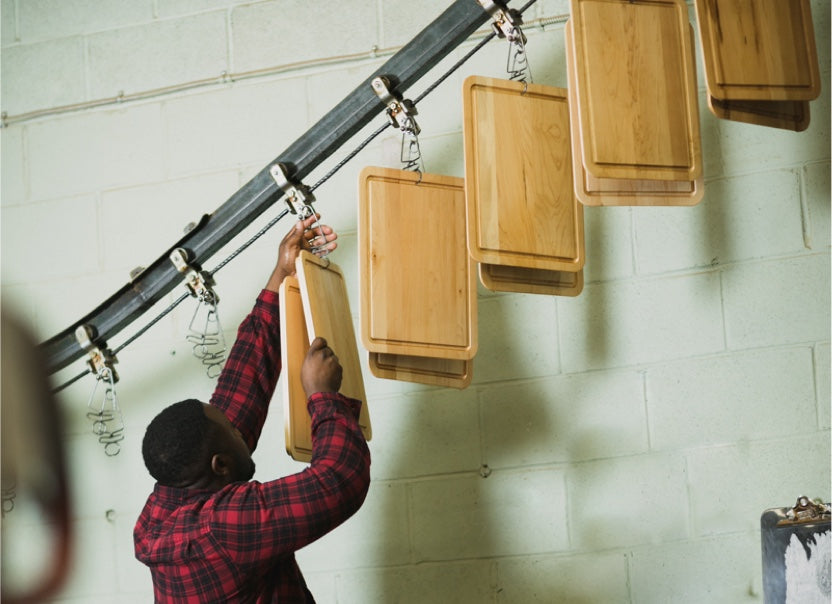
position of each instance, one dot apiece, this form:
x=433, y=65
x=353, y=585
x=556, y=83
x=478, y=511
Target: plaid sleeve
x=249, y=378
x=255, y=523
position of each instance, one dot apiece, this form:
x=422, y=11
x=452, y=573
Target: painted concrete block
x=377, y=535
x=233, y=126
x=440, y=584
x=777, y=301
x=719, y=571
x=159, y=54
x=564, y=419
x=177, y=8
x=424, y=433
x=517, y=337
x=95, y=150
x=12, y=184
x=816, y=178
x=44, y=19
x=822, y=379
x=507, y=513
x=627, y=323
x=743, y=217
x=731, y=486
x=261, y=40
x=401, y=22
x=138, y=224
x=582, y=578
x=730, y=398
x=43, y=75
x=27, y=231
x=546, y=51
x=608, y=233
x=8, y=23
x=628, y=501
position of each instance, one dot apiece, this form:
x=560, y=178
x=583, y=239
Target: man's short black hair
x=176, y=441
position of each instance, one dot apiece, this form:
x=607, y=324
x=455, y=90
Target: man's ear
x=220, y=464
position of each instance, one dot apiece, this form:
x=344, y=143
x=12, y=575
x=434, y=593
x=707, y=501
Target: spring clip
x=206, y=336
x=401, y=113
x=204, y=330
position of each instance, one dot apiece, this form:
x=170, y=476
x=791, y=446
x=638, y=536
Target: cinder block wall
x=615, y=447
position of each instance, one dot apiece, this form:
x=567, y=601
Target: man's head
x=193, y=445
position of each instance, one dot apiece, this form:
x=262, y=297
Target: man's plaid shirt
x=237, y=544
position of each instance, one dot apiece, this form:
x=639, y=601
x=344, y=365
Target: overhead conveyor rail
x=356, y=110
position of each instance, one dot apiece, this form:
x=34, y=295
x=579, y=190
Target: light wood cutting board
x=531, y=280
x=787, y=115
x=520, y=201
x=637, y=89
x=595, y=191
x=327, y=311
x=417, y=283
x=294, y=343
x=759, y=50
x=450, y=373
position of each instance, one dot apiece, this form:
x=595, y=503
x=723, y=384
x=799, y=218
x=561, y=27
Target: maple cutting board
x=531, y=280
x=759, y=50
x=294, y=343
x=327, y=311
x=593, y=191
x=417, y=283
x=635, y=74
x=520, y=201
x=450, y=373
x=787, y=115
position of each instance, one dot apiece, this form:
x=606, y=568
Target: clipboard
x=795, y=552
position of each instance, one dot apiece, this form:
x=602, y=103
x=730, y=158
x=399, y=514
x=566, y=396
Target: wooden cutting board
x=294, y=343
x=450, y=373
x=637, y=89
x=531, y=280
x=520, y=201
x=760, y=50
x=326, y=309
x=787, y=115
x=417, y=283
x=594, y=191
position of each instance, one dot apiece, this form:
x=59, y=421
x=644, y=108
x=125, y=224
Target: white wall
x=633, y=434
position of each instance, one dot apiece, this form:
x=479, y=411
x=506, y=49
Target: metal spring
x=411, y=153
x=207, y=337
x=517, y=62
x=107, y=421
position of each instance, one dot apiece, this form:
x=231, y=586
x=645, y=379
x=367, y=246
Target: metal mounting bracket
x=298, y=196
x=199, y=282
x=100, y=358
x=506, y=21
x=400, y=111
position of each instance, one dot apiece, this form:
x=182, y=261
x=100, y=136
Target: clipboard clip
x=807, y=510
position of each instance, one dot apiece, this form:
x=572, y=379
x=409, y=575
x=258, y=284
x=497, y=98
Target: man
x=209, y=533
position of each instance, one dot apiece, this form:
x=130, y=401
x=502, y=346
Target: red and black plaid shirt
x=237, y=544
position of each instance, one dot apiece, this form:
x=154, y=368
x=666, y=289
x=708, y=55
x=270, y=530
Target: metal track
x=355, y=111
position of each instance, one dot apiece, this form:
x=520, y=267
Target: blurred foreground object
x=35, y=527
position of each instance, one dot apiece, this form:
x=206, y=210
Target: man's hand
x=304, y=236
x=321, y=371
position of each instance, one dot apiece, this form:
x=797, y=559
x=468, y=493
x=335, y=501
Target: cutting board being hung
x=592, y=190
x=525, y=225
x=294, y=344
x=418, y=293
x=327, y=313
x=448, y=373
x=760, y=58
x=636, y=90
